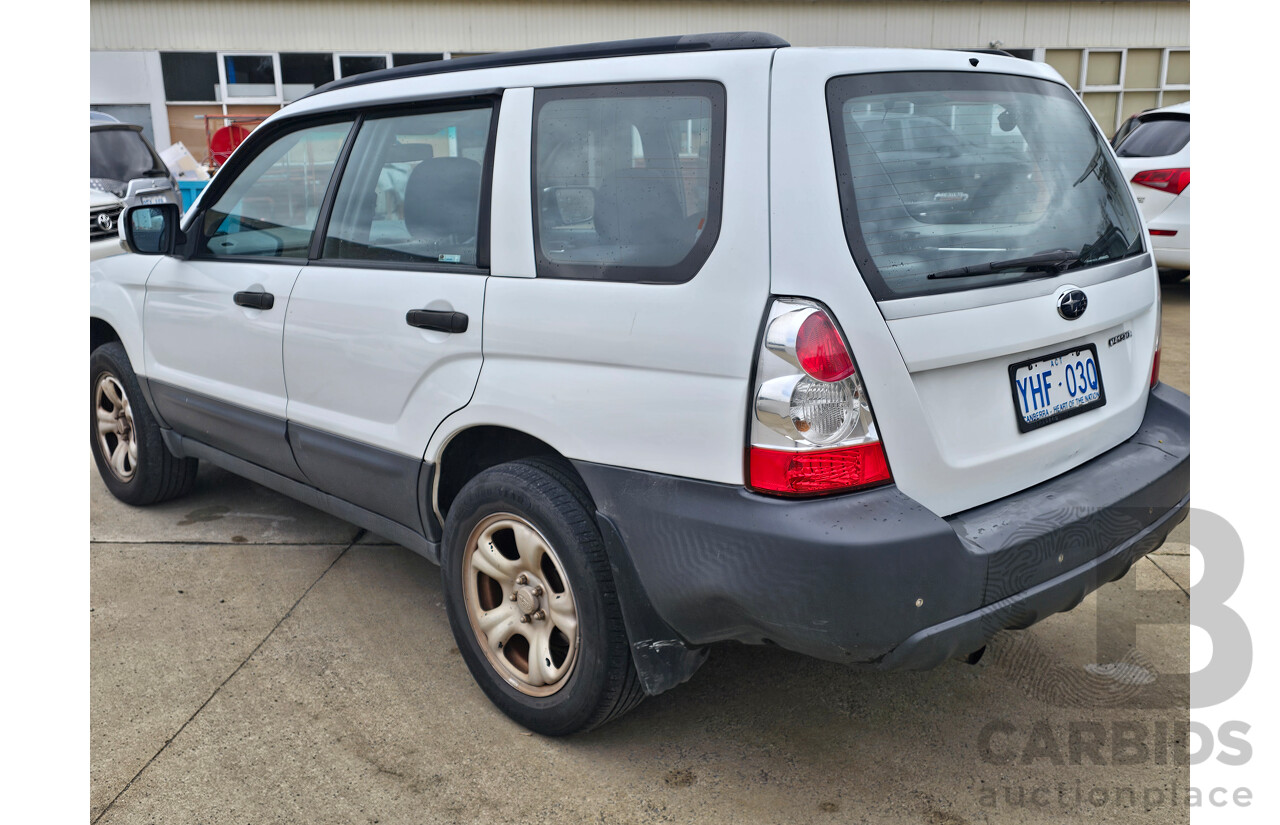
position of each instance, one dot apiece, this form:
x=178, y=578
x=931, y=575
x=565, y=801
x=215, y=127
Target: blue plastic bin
x=190, y=190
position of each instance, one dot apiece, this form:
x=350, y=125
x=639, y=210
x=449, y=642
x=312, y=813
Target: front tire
x=131, y=456
x=531, y=600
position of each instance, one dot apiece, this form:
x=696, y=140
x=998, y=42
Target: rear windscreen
x=950, y=181
x=121, y=155
x=1156, y=138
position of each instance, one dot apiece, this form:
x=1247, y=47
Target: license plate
x=150, y=200
x=1058, y=386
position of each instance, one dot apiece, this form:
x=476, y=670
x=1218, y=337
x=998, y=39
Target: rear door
x=954, y=352
x=382, y=338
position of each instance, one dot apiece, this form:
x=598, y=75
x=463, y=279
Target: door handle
x=439, y=320
x=255, y=300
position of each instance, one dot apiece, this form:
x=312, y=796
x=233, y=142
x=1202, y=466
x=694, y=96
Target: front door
x=214, y=322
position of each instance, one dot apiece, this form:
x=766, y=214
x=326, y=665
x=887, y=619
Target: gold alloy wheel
x=520, y=604
x=117, y=437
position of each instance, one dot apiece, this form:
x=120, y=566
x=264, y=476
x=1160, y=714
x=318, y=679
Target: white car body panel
x=117, y=291
x=356, y=369
x=937, y=374
x=511, y=236
x=198, y=339
x=607, y=372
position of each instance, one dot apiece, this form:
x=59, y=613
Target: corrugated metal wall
x=502, y=25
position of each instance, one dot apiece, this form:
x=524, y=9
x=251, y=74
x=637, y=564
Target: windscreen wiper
x=1053, y=261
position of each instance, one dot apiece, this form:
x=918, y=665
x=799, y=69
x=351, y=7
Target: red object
x=1168, y=233
x=224, y=141
x=820, y=350
x=814, y=472
x=1155, y=367
x=1172, y=181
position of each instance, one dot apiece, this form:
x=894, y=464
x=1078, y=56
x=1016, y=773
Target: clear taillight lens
x=812, y=429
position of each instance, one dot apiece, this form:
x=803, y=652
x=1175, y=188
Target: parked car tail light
x=1172, y=181
x=812, y=428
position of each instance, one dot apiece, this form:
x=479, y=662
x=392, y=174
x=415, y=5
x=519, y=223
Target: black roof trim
x=719, y=41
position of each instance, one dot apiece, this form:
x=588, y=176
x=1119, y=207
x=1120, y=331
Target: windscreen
x=951, y=181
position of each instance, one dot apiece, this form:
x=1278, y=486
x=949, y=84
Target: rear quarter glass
x=943, y=170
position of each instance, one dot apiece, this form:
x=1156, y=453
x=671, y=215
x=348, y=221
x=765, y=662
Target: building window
x=303, y=72
x=408, y=59
x=254, y=77
x=347, y=65
x=190, y=77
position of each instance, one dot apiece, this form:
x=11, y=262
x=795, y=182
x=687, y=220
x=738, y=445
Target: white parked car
x=1153, y=150
x=660, y=343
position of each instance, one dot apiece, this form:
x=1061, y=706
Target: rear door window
x=412, y=189
x=627, y=180
x=952, y=181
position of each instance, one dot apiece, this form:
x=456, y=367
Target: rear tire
x=131, y=456
x=531, y=600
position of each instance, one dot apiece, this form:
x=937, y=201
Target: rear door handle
x=439, y=320
x=255, y=300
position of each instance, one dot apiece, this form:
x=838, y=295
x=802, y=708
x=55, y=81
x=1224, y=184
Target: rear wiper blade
x=1093, y=164
x=1053, y=261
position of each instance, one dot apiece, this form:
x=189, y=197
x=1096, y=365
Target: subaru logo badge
x=105, y=223
x=1072, y=304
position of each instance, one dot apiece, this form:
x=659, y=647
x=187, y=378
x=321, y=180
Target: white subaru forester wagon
x=659, y=343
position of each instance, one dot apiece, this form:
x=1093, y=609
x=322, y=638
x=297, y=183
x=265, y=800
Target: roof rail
x=719, y=41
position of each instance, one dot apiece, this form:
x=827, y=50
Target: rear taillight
x=1172, y=181
x=1162, y=233
x=812, y=429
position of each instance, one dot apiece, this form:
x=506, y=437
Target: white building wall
x=503, y=25
x=130, y=77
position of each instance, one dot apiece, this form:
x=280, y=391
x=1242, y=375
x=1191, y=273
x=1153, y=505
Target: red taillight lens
x=1155, y=368
x=818, y=471
x=1172, y=181
x=1163, y=233
x=821, y=351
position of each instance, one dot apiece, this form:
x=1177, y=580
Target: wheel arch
x=660, y=655
x=474, y=449
x=101, y=332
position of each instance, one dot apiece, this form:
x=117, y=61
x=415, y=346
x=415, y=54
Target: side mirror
x=569, y=205
x=151, y=230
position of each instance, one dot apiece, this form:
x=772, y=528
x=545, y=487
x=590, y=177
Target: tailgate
x=939, y=360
